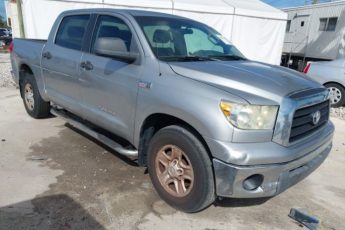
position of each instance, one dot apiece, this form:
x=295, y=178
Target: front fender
x=193, y=102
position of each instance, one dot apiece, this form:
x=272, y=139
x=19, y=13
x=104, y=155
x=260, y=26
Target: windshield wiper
x=227, y=57
x=187, y=58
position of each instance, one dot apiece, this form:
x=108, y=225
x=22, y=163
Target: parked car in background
x=6, y=40
x=4, y=32
x=331, y=74
x=5, y=36
x=186, y=103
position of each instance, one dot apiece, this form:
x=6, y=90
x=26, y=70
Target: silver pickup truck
x=177, y=96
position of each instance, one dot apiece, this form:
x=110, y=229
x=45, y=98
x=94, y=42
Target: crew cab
x=181, y=99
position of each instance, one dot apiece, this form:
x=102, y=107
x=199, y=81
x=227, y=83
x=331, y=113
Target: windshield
x=174, y=39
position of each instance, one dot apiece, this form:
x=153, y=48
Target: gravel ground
x=54, y=177
x=6, y=81
x=5, y=74
x=338, y=113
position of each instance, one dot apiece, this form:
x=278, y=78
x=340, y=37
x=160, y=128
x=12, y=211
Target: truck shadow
x=48, y=212
x=129, y=161
x=237, y=202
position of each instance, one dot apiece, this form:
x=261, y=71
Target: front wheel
x=337, y=94
x=180, y=169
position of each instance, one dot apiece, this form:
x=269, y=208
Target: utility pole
x=20, y=17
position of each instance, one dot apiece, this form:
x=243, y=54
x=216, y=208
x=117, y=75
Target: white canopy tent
x=255, y=28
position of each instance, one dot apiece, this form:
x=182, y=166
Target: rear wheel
x=180, y=169
x=337, y=94
x=35, y=106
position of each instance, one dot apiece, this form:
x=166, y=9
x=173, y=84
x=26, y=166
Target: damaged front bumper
x=266, y=180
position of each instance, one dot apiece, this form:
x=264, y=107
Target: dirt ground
x=54, y=177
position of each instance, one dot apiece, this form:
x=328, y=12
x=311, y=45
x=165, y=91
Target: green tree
x=2, y=22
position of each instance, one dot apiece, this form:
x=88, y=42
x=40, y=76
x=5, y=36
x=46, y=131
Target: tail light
x=11, y=47
x=306, y=69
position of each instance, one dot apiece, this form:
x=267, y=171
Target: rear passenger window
x=71, y=31
x=111, y=27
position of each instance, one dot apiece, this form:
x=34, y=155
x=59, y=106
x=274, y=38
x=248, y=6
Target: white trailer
x=314, y=32
x=256, y=28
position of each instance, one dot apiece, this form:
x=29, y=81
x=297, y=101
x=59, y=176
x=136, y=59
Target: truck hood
x=247, y=79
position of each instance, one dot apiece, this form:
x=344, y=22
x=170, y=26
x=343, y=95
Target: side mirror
x=114, y=48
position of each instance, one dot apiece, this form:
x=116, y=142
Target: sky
x=289, y=3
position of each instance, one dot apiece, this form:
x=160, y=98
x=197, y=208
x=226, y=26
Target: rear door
x=61, y=59
x=110, y=86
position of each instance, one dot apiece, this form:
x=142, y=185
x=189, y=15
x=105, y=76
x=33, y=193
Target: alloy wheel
x=29, y=96
x=174, y=171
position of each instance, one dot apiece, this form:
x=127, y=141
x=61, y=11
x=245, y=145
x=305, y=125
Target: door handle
x=86, y=65
x=47, y=55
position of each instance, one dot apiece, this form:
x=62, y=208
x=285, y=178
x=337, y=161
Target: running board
x=98, y=136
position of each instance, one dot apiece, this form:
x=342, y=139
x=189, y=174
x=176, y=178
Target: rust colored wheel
x=174, y=170
x=181, y=169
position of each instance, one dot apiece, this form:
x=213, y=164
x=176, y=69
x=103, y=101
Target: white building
x=315, y=32
x=256, y=28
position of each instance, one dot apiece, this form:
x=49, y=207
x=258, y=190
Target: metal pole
x=305, y=50
x=288, y=64
x=20, y=18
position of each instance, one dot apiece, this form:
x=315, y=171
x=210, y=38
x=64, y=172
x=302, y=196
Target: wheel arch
x=25, y=68
x=153, y=123
x=334, y=82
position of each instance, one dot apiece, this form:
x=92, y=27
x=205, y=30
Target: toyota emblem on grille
x=316, y=117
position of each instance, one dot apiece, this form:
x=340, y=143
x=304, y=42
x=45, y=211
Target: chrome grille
x=302, y=123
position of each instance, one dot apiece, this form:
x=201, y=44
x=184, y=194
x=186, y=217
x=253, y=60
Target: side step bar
x=98, y=136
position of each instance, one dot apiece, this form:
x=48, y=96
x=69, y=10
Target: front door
x=110, y=86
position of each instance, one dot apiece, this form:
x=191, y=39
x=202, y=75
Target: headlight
x=250, y=116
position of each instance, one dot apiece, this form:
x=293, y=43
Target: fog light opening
x=253, y=182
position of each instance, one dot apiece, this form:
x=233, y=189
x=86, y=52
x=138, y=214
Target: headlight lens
x=250, y=116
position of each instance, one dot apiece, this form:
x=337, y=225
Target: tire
x=35, y=106
x=195, y=162
x=337, y=94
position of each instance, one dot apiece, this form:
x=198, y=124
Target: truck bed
x=28, y=51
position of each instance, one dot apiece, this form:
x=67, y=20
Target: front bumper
x=277, y=177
